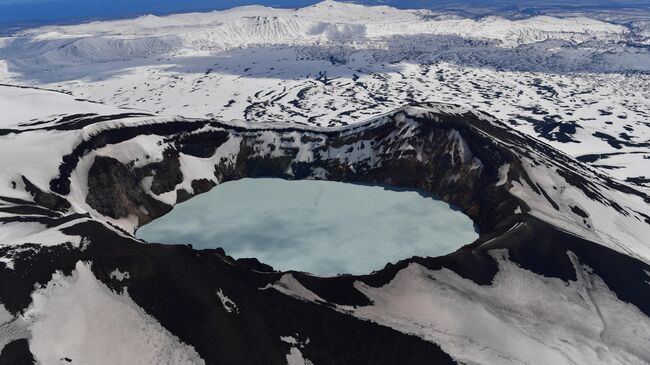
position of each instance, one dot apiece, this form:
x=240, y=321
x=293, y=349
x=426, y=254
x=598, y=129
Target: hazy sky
x=16, y=11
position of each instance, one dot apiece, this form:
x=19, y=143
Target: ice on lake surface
x=322, y=227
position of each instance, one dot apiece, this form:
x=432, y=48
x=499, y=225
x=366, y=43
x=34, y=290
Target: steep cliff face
x=561, y=266
x=436, y=155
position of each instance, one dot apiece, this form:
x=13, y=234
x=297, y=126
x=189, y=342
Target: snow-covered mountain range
x=535, y=128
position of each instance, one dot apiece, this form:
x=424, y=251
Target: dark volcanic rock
x=16, y=353
x=115, y=190
x=201, y=186
x=202, y=144
x=166, y=174
x=46, y=199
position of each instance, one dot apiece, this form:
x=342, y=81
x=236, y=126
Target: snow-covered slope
x=579, y=83
x=557, y=332
x=79, y=316
x=21, y=105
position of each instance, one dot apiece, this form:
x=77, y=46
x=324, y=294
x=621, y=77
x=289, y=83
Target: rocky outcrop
x=116, y=190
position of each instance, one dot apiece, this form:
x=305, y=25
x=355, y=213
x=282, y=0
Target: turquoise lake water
x=322, y=227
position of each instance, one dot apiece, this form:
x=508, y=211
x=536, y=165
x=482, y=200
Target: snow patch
x=289, y=285
x=227, y=303
x=8, y=262
x=538, y=320
x=503, y=174
x=118, y=275
x=78, y=317
x=11, y=327
x=295, y=357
